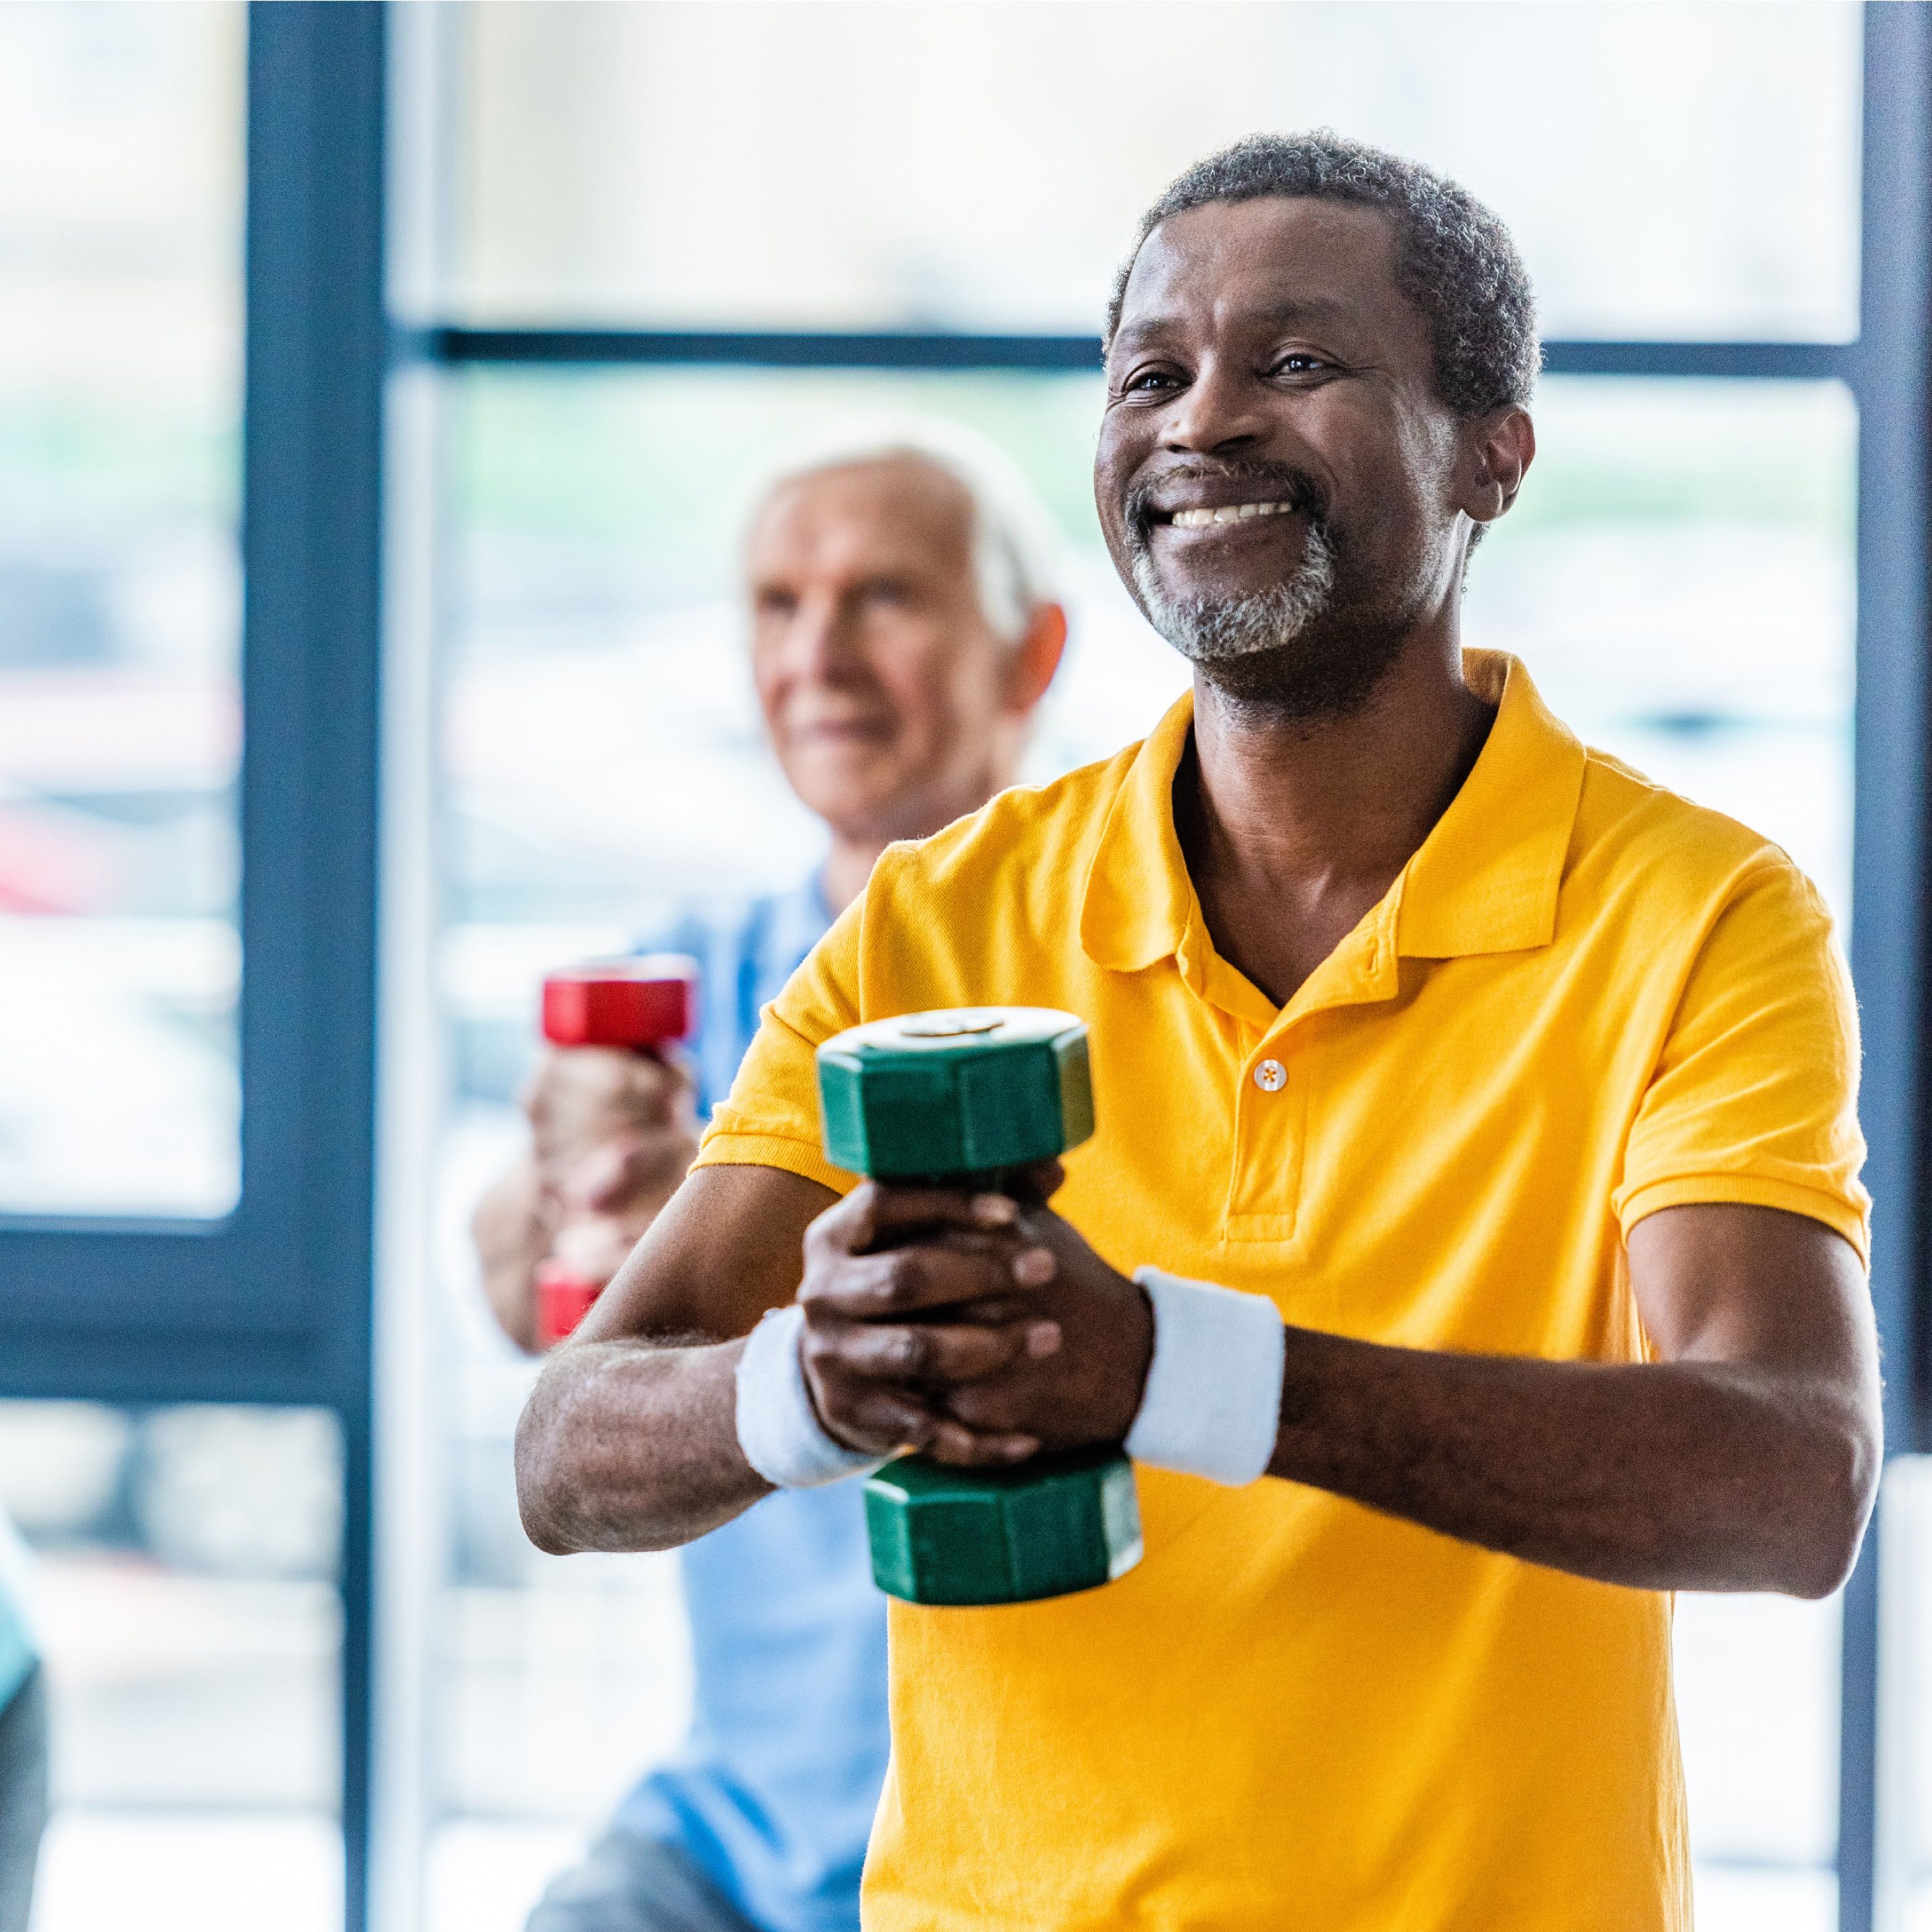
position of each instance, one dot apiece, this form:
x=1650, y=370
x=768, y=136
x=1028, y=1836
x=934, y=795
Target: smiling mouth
x=868, y=731
x=1227, y=513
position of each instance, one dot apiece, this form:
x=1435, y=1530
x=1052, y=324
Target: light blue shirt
x=772, y=1795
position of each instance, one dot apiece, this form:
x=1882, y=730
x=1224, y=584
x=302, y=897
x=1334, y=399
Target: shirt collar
x=1136, y=907
x=1485, y=880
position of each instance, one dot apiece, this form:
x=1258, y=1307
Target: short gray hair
x=1454, y=260
x=1016, y=545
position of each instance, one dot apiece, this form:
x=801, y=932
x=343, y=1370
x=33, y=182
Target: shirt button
x=1271, y=1076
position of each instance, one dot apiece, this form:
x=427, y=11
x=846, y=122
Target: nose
x=1220, y=413
x=814, y=641
x=823, y=642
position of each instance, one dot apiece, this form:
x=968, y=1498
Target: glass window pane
x=120, y=162
x=184, y=1571
x=1678, y=576
x=598, y=682
x=1684, y=171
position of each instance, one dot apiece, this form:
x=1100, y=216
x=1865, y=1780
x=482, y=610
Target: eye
x=1299, y=362
x=1151, y=381
x=775, y=603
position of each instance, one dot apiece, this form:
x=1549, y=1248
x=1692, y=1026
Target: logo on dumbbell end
x=949, y=1026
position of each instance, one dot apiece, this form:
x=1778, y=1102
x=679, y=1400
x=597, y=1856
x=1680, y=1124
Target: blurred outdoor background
x=1680, y=576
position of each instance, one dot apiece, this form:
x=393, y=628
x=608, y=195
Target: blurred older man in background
x=904, y=626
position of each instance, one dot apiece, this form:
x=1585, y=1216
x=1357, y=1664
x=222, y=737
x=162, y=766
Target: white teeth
x=1228, y=513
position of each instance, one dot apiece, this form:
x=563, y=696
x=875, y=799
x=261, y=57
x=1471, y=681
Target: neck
x=1294, y=827
x=847, y=866
x=856, y=848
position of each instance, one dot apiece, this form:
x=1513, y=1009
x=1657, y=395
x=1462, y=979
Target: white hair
x=1016, y=548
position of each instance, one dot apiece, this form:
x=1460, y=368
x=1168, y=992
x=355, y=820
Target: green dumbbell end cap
x=969, y=1090
x=1054, y=1525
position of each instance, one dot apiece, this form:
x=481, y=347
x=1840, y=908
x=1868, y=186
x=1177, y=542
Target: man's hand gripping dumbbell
x=978, y=1328
x=612, y=1130
x=945, y=1308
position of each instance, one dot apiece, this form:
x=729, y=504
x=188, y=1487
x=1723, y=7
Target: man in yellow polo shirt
x=1471, y=1251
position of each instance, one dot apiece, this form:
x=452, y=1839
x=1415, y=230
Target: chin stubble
x=1309, y=648
x=1212, y=630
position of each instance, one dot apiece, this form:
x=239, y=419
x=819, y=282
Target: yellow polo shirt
x=1583, y=1000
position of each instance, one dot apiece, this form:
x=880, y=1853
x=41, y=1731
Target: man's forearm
x=1685, y=1475
x=632, y=1445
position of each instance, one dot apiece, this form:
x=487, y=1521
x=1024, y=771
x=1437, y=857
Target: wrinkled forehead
x=900, y=511
x=1331, y=265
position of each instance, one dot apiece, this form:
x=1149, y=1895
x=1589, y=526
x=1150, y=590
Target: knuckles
x=963, y=1383
x=901, y=1279
x=906, y=1351
x=981, y=1407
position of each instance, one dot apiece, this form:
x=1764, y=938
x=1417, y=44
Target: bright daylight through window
x=1679, y=574
x=293, y=1624
x=121, y=153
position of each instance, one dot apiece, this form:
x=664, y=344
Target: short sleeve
x=1754, y=1099
x=771, y=1119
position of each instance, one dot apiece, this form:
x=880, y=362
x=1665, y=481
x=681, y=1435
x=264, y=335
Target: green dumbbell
x=963, y=1098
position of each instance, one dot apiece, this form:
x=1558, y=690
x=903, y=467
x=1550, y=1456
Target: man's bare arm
x=1745, y=1458
x=629, y=1440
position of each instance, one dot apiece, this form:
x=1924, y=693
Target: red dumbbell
x=565, y=1297
x=640, y=1006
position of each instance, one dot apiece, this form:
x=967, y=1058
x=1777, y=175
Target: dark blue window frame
x=274, y=1304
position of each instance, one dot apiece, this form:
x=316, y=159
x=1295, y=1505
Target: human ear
x=1036, y=658
x=1500, y=449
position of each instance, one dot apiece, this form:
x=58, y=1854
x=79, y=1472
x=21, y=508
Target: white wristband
x=1213, y=1402
x=779, y=1429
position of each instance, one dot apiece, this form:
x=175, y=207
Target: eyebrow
x=1305, y=308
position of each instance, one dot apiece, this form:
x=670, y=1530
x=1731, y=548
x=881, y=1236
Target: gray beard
x=1211, y=631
